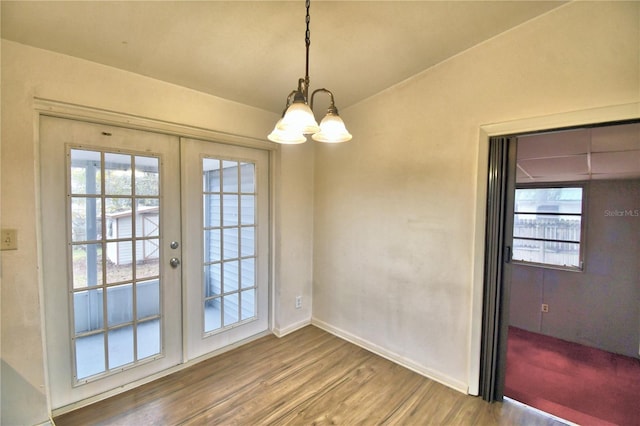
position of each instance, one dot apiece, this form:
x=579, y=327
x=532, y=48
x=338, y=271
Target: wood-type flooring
x=308, y=377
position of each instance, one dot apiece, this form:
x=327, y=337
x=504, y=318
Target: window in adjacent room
x=548, y=226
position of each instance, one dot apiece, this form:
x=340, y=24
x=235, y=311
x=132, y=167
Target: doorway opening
x=604, y=158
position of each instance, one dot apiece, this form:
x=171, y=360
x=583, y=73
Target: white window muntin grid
x=103, y=285
x=221, y=227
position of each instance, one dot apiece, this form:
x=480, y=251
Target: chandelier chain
x=307, y=42
x=307, y=39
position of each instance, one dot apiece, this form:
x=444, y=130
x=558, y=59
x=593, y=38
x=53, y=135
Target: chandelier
x=298, y=120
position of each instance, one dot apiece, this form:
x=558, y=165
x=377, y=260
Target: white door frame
x=567, y=119
x=82, y=113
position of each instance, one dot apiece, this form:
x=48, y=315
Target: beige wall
x=29, y=73
x=394, y=218
x=392, y=213
x=294, y=239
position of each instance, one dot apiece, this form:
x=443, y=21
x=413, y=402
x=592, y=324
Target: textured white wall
x=394, y=217
x=29, y=73
x=392, y=211
x=294, y=243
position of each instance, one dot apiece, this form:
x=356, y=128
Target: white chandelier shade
x=287, y=137
x=332, y=130
x=299, y=118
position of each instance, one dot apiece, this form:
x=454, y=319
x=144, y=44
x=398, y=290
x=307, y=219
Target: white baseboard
x=281, y=332
x=393, y=357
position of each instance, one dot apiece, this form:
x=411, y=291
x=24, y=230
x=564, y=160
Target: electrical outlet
x=298, y=302
x=9, y=239
x=545, y=307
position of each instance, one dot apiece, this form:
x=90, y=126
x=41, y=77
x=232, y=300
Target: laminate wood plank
x=309, y=377
x=285, y=387
x=362, y=397
x=245, y=381
x=432, y=401
x=219, y=375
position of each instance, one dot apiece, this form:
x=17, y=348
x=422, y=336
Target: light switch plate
x=9, y=239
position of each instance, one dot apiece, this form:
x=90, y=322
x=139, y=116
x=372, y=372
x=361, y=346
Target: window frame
x=582, y=243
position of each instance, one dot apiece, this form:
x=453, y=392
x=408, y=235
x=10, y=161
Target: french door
x=227, y=249
x=149, y=241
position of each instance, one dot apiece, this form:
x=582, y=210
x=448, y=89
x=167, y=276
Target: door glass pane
x=147, y=257
x=229, y=210
x=148, y=299
x=231, y=309
x=90, y=355
x=212, y=210
x=147, y=217
x=128, y=268
x=85, y=172
x=120, y=346
x=230, y=176
x=211, y=175
x=248, y=298
x=247, y=177
x=117, y=174
x=212, y=315
x=212, y=245
x=120, y=304
x=147, y=176
x=148, y=338
x=230, y=277
x=247, y=241
x=86, y=218
x=118, y=212
x=87, y=311
x=230, y=243
x=150, y=265
x=229, y=234
x=87, y=265
x=119, y=261
x=247, y=211
x=248, y=272
x=212, y=280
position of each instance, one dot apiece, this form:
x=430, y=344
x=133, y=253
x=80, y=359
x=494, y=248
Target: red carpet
x=584, y=385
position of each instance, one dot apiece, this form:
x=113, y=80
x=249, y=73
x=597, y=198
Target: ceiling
x=598, y=153
x=253, y=52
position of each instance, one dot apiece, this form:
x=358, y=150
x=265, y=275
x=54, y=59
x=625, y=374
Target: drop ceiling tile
x=558, y=166
x=615, y=162
x=615, y=176
x=559, y=178
x=522, y=176
x=625, y=137
x=555, y=144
